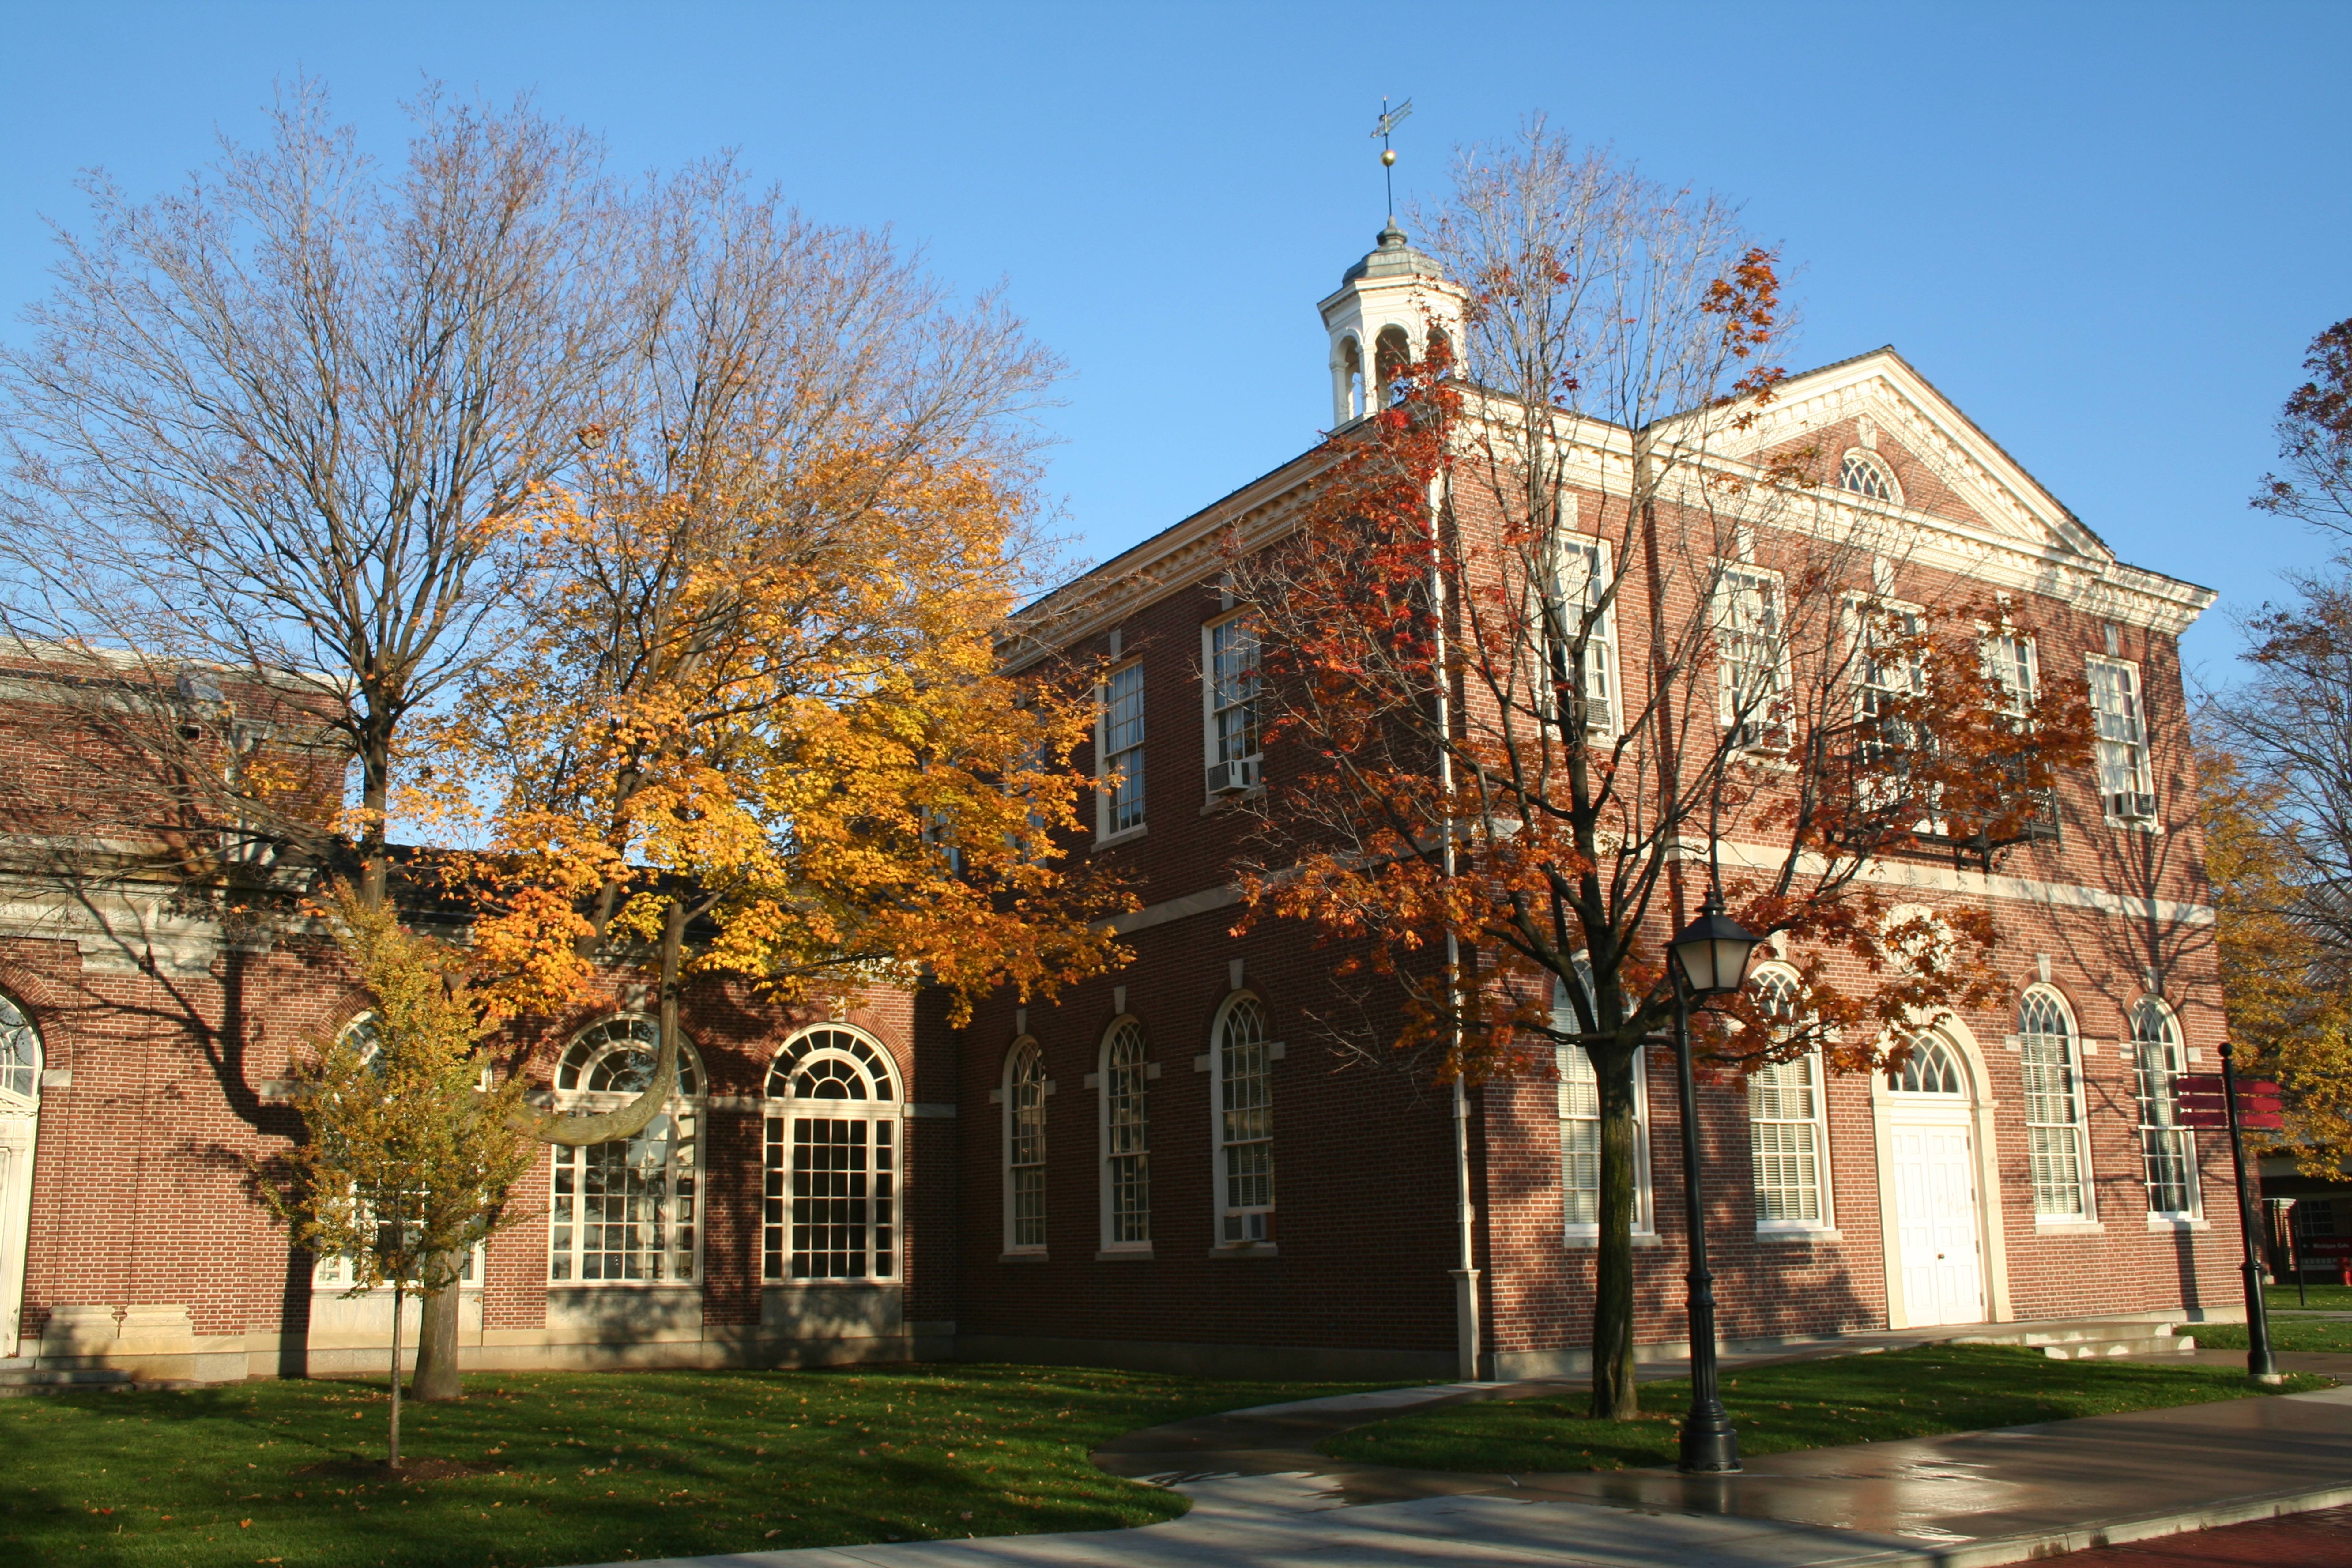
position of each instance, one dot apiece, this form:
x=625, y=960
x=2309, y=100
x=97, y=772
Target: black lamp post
x=1711, y=956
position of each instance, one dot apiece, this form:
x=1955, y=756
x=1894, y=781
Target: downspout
x=1466, y=1217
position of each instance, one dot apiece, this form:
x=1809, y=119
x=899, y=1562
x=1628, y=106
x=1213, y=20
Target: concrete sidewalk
x=1965, y=1502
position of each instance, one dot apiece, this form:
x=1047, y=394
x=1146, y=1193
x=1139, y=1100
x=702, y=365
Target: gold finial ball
x=1388, y=157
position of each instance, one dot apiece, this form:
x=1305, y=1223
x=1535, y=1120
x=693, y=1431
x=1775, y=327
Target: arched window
x=1126, y=1138
x=623, y=1212
x=1024, y=1149
x=1930, y=1069
x=1785, y=1115
x=1441, y=351
x=1866, y=475
x=1351, y=361
x=2167, y=1150
x=20, y=1058
x=833, y=1150
x=1579, y=1123
x=1392, y=352
x=2053, y=1106
x=1243, y=1060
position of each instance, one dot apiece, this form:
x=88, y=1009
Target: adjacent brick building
x=1169, y=1166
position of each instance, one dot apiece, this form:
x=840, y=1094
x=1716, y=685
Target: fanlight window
x=20, y=1054
x=1863, y=475
x=1929, y=1069
x=830, y=1064
x=616, y=1056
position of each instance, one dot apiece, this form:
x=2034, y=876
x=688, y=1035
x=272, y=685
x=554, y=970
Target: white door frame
x=1889, y=1108
x=18, y=1127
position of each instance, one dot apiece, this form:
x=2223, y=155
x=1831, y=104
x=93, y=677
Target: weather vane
x=1389, y=119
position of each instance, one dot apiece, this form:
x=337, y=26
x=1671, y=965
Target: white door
x=1935, y=1222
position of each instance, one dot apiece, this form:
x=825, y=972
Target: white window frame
x=680, y=1124
x=1110, y=798
x=1108, y=1134
x=1815, y=1083
x=1231, y=775
x=833, y=1048
x=1024, y=1049
x=2159, y=1058
x=1923, y=1042
x=1861, y=456
x=1240, y=1223
x=1578, y=572
x=2014, y=664
x=2127, y=785
x=1733, y=578
x=2043, y=1134
x=1575, y=1071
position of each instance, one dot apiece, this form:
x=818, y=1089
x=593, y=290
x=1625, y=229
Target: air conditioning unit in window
x=2132, y=807
x=1234, y=777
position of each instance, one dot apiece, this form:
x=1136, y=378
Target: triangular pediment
x=1948, y=468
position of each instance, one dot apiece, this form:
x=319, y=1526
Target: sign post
x=2241, y=1105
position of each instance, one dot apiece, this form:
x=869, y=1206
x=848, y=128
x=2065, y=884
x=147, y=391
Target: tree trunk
x=392, y=1451
x=375, y=799
x=581, y=1129
x=1614, y=1395
x=437, y=1342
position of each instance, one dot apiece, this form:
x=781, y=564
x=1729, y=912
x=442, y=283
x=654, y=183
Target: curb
x=2036, y=1546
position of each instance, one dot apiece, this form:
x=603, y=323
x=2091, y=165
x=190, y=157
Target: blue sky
x=2106, y=231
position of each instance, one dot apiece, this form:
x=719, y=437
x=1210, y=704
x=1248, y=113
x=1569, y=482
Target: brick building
x=1165, y=1168
x=2021, y=1166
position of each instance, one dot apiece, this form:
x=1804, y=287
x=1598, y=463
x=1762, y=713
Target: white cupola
x=1387, y=306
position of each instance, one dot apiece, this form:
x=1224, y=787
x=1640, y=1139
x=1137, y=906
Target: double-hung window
x=1580, y=1127
x=1888, y=677
x=2009, y=661
x=2053, y=1109
x=1752, y=643
x=1126, y=1140
x=2167, y=1150
x=2121, y=725
x=1785, y=1119
x=1024, y=1150
x=1243, y=1060
x=1118, y=746
x=1229, y=655
x=1577, y=606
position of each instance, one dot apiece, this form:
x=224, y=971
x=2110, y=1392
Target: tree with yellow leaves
x=412, y=1145
x=755, y=726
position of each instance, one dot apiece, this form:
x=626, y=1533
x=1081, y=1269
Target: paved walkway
x=1262, y=1497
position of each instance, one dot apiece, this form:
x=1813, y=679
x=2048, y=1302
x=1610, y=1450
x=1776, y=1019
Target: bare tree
x=2315, y=433
x=279, y=424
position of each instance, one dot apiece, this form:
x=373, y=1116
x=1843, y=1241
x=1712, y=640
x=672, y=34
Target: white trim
x=1252, y=1222
x=2138, y=1045
x=884, y=1111
x=682, y=1124
x=1106, y=1245
x=1973, y=1109
x=1105, y=832
x=1250, y=768
x=20, y=1121
x=1006, y=1099
x=2087, y=1181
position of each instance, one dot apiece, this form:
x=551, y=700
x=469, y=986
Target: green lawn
x=2286, y=1334
x=1797, y=1405
x=584, y=1468
x=2316, y=1297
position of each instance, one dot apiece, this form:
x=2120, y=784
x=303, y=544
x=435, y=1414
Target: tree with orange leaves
x=1502, y=833
x=754, y=726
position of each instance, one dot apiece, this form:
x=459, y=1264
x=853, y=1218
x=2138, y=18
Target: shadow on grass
x=583, y=1468
x=1929, y=1390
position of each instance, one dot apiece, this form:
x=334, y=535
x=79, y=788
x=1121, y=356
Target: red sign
x=2202, y=1103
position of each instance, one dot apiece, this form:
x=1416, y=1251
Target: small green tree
x=411, y=1145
